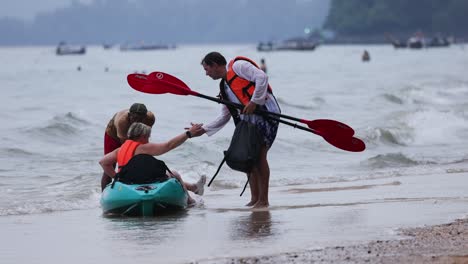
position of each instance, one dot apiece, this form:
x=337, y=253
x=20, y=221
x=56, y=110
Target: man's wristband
x=189, y=135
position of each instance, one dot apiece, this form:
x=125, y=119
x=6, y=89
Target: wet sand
x=446, y=243
x=309, y=223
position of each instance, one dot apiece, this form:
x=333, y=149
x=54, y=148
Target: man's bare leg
x=263, y=179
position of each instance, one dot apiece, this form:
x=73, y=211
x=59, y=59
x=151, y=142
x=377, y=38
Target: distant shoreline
x=383, y=39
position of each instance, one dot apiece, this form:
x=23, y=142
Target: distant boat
x=145, y=47
x=107, y=46
x=268, y=46
x=297, y=44
x=399, y=44
x=418, y=42
x=64, y=49
x=438, y=42
x=290, y=44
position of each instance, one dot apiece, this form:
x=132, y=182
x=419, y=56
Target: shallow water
x=408, y=106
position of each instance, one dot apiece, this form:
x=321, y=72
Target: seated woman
x=138, y=143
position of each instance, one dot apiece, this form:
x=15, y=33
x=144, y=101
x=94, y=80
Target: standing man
x=242, y=81
x=117, y=128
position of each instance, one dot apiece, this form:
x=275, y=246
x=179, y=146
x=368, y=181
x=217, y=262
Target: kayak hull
x=143, y=199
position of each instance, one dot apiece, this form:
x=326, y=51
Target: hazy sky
x=27, y=9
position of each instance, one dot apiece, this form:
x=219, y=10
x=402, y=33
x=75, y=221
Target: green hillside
x=372, y=17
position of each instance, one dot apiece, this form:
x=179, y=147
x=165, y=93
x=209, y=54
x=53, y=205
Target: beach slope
x=445, y=243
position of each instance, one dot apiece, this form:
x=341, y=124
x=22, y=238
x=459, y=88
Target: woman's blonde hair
x=137, y=130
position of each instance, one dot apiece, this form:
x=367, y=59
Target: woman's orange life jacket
x=126, y=152
x=242, y=88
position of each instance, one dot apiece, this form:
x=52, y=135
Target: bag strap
x=217, y=171
x=246, y=183
x=232, y=110
x=167, y=168
x=219, y=168
x=116, y=178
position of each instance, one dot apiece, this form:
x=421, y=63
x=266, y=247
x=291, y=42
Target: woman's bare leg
x=186, y=186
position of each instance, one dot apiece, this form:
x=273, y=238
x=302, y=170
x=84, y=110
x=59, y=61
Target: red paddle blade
x=170, y=83
x=330, y=127
x=346, y=143
x=153, y=85
x=167, y=78
x=140, y=83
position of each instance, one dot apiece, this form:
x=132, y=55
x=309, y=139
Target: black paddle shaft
x=239, y=106
x=265, y=114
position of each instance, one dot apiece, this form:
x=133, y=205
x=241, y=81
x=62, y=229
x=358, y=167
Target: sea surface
x=409, y=106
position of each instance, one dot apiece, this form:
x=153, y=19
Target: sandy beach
x=446, y=243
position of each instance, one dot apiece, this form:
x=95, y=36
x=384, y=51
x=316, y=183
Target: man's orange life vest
x=126, y=152
x=242, y=88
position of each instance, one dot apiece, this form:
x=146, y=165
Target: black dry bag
x=244, y=150
x=142, y=169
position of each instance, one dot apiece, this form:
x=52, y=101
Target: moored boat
x=143, y=47
x=143, y=199
x=399, y=44
x=64, y=49
x=439, y=42
x=291, y=44
x=416, y=42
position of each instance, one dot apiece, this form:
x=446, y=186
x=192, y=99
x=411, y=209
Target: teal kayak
x=143, y=199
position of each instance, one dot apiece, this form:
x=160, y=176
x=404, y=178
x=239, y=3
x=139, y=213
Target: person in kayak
x=242, y=81
x=117, y=128
x=138, y=143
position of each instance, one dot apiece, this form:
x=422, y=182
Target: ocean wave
x=389, y=135
x=431, y=126
x=16, y=152
x=418, y=127
x=89, y=200
x=316, y=102
x=46, y=193
x=435, y=93
x=72, y=119
x=393, y=98
x=391, y=160
x=429, y=94
x=61, y=126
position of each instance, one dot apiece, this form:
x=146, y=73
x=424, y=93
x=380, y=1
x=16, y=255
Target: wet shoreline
x=444, y=243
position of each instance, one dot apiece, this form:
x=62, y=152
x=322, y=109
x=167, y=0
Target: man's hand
x=249, y=108
x=196, y=130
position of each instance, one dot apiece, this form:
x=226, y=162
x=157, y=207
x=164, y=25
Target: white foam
x=432, y=127
x=52, y=205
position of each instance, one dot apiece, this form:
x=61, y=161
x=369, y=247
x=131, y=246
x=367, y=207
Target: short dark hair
x=214, y=58
x=138, y=109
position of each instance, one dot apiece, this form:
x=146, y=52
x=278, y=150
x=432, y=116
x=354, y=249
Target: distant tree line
x=372, y=17
x=167, y=22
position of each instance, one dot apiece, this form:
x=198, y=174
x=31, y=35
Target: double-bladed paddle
x=336, y=133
